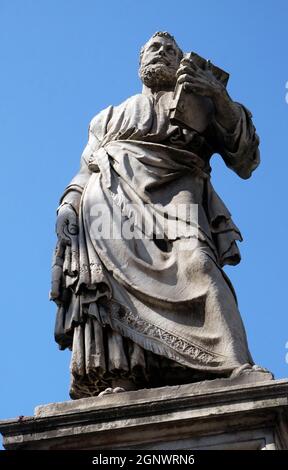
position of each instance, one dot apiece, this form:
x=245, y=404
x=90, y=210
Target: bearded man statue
x=142, y=298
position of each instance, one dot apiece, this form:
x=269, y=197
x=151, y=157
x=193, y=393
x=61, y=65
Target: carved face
x=159, y=63
x=160, y=50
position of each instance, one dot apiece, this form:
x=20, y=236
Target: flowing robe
x=147, y=308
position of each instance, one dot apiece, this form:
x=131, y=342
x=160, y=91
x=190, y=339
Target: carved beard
x=158, y=75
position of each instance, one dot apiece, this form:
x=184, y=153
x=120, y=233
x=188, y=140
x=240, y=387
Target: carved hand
x=66, y=255
x=66, y=224
x=67, y=232
x=196, y=80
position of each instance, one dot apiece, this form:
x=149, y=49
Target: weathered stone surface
x=219, y=414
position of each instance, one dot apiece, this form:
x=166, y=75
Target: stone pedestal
x=217, y=414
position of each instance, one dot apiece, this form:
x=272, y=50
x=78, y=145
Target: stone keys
x=190, y=110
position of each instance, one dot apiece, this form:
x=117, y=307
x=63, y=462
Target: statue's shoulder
x=99, y=123
x=139, y=97
x=133, y=100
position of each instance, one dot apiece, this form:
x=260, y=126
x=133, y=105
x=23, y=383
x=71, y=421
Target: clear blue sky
x=63, y=61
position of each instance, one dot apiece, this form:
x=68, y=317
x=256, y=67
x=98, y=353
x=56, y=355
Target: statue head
x=159, y=60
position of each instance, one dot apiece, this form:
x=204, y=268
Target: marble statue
x=142, y=298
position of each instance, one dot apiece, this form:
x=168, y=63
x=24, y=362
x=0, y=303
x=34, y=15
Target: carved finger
x=199, y=90
x=61, y=225
x=74, y=262
x=57, y=273
x=56, y=282
x=67, y=261
x=59, y=252
x=188, y=87
x=185, y=78
x=195, y=82
x=190, y=63
x=185, y=69
x=61, y=220
x=74, y=256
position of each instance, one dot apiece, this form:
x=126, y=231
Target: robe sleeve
x=239, y=149
x=88, y=164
